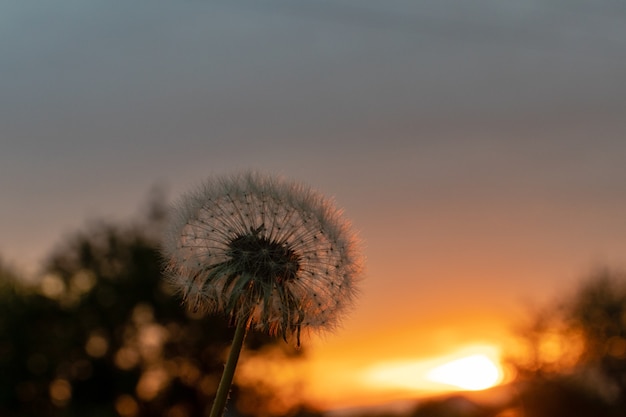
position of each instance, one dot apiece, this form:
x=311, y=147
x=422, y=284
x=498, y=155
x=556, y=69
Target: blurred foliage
x=102, y=335
x=574, y=362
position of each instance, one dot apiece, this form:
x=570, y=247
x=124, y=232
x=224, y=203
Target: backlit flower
x=263, y=249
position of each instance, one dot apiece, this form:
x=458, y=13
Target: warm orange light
x=474, y=373
x=473, y=368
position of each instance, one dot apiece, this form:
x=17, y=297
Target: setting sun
x=475, y=372
x=472, y=368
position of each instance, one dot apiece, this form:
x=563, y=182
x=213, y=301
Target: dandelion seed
x=271, y=254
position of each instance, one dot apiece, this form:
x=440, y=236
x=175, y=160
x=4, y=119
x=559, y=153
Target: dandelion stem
x=219, y=404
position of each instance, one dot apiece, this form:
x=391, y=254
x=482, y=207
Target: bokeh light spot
x=52, y=286
x=60, y=392
x=126, y=406
x=97, y=345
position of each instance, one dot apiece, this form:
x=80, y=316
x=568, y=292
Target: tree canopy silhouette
x=103, y=335
x=575, y=357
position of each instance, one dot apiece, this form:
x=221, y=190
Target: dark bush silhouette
x=102, y=335
x=453, y=406
x=575, y=361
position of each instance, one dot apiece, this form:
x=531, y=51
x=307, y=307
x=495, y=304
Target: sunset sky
x=478, y=147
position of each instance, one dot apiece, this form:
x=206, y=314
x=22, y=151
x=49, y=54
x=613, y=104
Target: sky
x=478, y=148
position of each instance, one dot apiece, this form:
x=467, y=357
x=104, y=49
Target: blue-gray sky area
x=476, y=145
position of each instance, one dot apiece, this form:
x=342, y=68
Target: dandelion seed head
x=258, y=246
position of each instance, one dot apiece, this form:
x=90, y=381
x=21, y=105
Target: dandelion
x=271, y=254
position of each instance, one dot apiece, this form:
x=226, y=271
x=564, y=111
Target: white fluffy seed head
x=258, y=246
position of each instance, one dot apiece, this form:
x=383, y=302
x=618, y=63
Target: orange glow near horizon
x=472, y=368
x=344, y=383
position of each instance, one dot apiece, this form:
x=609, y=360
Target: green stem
x=223, y=388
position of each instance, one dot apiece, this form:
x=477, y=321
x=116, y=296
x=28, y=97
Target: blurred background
x=478, y=149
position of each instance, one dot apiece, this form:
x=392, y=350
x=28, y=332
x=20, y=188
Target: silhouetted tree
x=102, y=335
x=575, y=358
